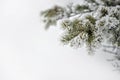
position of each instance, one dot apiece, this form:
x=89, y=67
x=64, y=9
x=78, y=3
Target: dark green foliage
x=91, y=19
x=51, y=15
x=91, y=23
x=81, y=8
x=55, y=11
x=111, y=2
x=104, y=12
x=91, y=1
x=74, y=28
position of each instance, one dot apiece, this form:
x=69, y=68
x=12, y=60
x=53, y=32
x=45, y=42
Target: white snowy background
x=28, y=52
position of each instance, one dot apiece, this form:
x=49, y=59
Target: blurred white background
x=28, y=52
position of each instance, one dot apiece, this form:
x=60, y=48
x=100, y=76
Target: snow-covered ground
x=28, y=52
